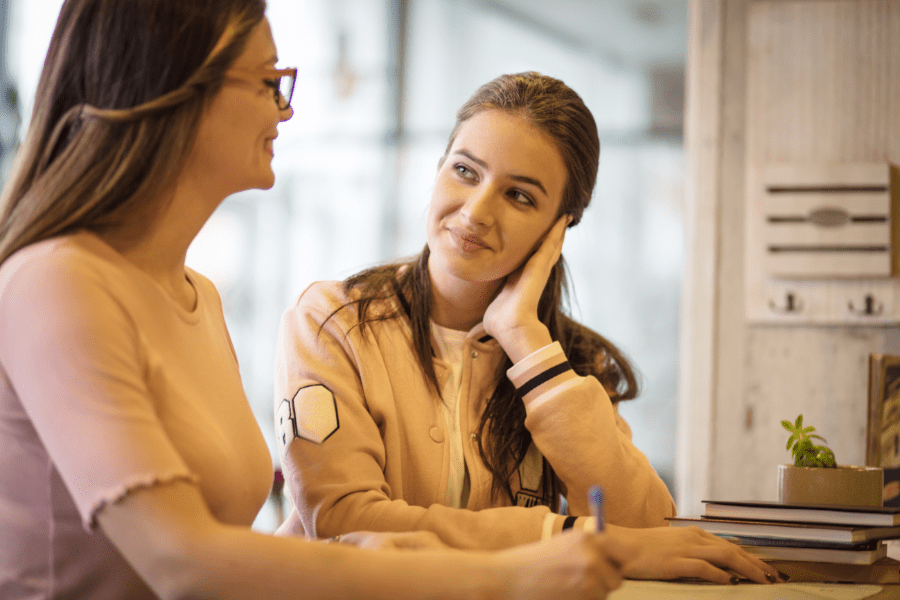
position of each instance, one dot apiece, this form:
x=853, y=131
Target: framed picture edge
x=878, y=364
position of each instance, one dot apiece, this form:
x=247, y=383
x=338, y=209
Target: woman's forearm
x=169, y=537
x=264, y=567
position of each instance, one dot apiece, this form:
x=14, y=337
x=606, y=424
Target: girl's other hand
x=675, y=552
x=573, y=565
x=512, y=317
x=407, y=540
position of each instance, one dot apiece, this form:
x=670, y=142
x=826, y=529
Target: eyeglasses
x=280, y=80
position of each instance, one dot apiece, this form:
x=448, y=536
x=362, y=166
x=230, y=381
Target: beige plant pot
x=846, y=485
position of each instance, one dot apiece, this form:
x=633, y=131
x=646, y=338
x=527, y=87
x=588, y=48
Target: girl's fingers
x=741, y=561
x=734, y=560
x=558, y=231
x=693, y=552
x=550, y=248
x=700, y=569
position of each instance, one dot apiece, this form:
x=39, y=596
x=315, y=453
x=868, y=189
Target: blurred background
x=378, y=86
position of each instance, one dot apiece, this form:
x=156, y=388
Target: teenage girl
x=451, y=392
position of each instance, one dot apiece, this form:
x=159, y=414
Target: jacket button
x=474, y=354
x=436, y=434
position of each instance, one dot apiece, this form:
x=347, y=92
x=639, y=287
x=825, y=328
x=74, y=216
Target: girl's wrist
x=522, y=341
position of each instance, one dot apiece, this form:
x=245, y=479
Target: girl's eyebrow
x=472, y=157
x=522, y=178
x=531, y=180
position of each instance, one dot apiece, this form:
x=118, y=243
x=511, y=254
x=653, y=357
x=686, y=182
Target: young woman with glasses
x=451, y=392
x=131, y=465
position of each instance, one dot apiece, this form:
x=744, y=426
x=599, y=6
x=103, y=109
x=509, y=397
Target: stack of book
x=809, y=542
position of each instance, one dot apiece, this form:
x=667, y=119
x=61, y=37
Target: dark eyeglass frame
x=271, y=78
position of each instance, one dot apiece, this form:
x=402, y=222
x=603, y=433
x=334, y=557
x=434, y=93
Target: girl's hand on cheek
x=512, y=316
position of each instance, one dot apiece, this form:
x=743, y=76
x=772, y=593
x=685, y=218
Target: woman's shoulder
x=64, y=284
x=71, y=260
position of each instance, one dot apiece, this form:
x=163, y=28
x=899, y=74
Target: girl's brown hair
x=116, y=110
x=503, y=440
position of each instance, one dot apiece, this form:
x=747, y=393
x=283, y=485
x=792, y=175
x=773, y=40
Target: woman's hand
x=675, y=552
x=407, y=540
x=574, y=565
x=511, y=318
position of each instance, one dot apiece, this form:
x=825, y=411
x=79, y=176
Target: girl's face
x=233, y=150
x=497, y=194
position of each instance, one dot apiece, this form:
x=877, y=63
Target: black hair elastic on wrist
x=569, y=522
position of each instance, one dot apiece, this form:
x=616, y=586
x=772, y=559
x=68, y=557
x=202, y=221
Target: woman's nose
x=286, y=114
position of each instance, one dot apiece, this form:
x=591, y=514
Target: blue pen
x=595, y=499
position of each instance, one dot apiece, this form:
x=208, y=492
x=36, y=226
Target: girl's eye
x=272, y=83
x=520, y=197
x=464, y=171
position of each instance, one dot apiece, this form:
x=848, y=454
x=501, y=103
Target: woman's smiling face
x=497, y=193
x=236, y=133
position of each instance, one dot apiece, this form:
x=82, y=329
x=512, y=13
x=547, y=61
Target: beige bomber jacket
x=364, y=444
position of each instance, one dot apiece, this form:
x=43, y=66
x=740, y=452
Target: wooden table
x=671, y=590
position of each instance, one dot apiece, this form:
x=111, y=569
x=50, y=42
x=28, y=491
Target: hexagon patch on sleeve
x=311, y=415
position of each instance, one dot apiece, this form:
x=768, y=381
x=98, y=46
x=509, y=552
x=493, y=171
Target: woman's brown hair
x=116, y=110
x=557, y=111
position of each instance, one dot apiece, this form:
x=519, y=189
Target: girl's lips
x=468, y=242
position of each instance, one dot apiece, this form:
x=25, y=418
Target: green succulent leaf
x=805, y=453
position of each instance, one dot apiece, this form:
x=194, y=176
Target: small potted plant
x=815, y=477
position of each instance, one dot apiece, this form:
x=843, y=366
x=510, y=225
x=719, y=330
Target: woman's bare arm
x=169, y=537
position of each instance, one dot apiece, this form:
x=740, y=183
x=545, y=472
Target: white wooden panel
x=815, y=233
x=809, y=235
x=874, y=203
x=819, y=268
x=836, y=174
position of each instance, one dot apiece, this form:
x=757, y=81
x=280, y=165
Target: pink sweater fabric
x=363, y=438
x=107, y=386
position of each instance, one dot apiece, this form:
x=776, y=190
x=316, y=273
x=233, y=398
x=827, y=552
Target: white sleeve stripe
x=552, y=393
x=534, y=358
x=547, y=528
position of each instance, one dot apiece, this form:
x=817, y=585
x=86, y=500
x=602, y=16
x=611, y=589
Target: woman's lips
x=268, y=144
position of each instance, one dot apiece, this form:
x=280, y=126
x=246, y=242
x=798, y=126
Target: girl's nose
x=478, y=207
x=286, y=114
